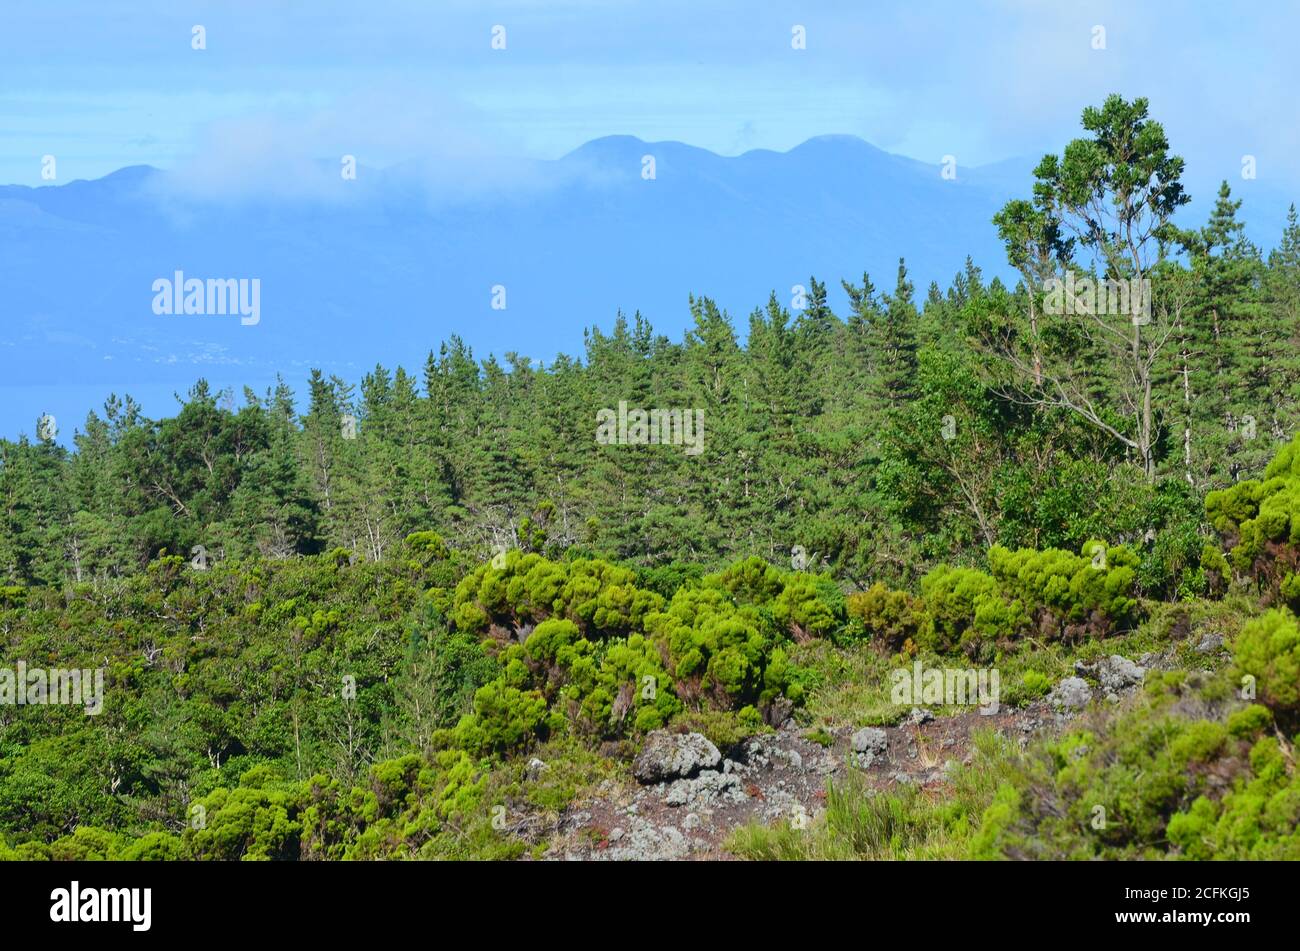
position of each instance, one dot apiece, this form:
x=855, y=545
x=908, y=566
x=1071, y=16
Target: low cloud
x=435, y=150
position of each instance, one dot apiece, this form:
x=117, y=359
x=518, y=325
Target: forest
x=348, y=623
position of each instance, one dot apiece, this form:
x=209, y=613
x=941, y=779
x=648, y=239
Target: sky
x=103, y=85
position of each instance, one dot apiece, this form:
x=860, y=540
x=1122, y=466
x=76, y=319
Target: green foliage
x=249, y=824
x=1256, y=821
x=810, y=606
x=1250, y=722
x=1268, y=649
x=665, y=580
x=504, y=720
x=1035, y=684
x=1261, y=520
x=343, y=649
x=964, y=609
x=1188, y=773
x=430, y=543
x=610, y=657
x=458, y=665
x=889, y=618
x=1071, y=594
x=154, y=847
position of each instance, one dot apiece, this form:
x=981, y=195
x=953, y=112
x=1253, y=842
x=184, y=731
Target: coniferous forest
x=429, y=614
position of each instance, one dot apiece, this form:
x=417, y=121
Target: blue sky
x=101, y=87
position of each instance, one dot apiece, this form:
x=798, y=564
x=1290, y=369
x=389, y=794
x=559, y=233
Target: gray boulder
x=1119, y=673
x=645, y=842
x=669, y=756
x=870, y=739
x=1209, y=644
x=1072, y=693
x=918, y=716
x=869, y=744
x=1114, y=673
x=708, y=789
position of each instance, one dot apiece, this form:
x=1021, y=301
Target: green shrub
x=1261, y=519
x=1035, y=684
x=458, y=666
x=1290, y=589
x=666, y=580
x=429, y=545
x=717, y=651
x=154, y=847
x=505, y=720
x=244, y=823
x=1215, y=568
x=1250, y=721
x=1187, y=773
x=86, y=844
x=810, y=606
x=551, y=639
x=752, y=581
x=1070, y=595
x=1268, y=649
x=1258, y=821
x=964, y=608
x=601, y=598
x=889, y=618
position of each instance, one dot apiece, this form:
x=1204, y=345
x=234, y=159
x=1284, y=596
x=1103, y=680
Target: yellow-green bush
x=609, y=657
x=1261, y=520
x=1067, y=594
x=1268, y=649
x=1189, y=773
x=964, y=609
x=886, y=617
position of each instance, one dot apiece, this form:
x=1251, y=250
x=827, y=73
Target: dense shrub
x=810, y=606
x=665, y=580
x=1070, y=595
x=1261, y=520
x=1190, y=772
x=1052, y=593
x=409, y=807
x=249, y=823
x=887, y=617
x=717, y=651
x=752, y=581
x=964, y=609
x=610, y=657
x=505, y=720
x=1268, y=649
x=601, y=597
x=1092, y=795
x=1257, y=821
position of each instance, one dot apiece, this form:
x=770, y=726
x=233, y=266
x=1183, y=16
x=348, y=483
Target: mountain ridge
x=407, y=256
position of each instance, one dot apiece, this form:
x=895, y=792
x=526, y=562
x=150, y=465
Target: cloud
x=442, y=148
x=984, y=81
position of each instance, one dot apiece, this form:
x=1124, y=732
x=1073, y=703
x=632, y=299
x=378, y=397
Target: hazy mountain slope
x=383, y=268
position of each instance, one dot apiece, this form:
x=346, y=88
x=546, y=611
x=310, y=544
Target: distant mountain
x=385, y=267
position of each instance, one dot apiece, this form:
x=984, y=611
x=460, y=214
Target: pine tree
x=894, y=345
